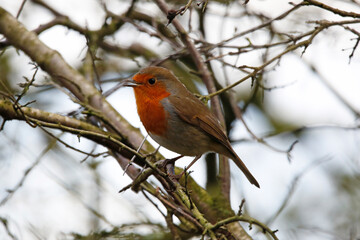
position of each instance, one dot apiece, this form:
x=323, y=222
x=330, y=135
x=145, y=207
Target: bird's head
x=153, y=82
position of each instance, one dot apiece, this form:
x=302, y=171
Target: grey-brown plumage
x=177, y=120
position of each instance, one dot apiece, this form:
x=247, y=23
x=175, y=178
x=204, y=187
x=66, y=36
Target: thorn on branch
x=241, y=207
x=353, y=49
x=305, y=47
x=250, y=226
x=288, y=153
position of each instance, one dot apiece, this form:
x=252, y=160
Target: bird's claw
x=163, y=163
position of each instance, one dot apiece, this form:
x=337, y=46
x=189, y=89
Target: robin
x=177, y=120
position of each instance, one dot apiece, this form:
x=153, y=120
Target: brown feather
x=205, y=120
x=199, y=126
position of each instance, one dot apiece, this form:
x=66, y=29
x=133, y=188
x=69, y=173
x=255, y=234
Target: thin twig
x=5, y=223
x=12, y=191
x=332, y=9
x=249, y=220
x=21, y=8
x=293, y=187
x=137, y=150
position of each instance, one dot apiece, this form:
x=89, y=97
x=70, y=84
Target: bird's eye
x=152, y=81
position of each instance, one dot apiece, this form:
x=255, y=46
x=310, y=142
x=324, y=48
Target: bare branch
x=332, y=9
x=11, y=192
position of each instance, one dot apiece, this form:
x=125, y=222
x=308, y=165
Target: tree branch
x=64, y=75
x=209, y=82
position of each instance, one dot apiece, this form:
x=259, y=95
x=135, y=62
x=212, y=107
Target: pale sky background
x=43, y=205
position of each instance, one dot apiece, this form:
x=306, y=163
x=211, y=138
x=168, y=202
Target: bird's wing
x=206, y=121
x=203, y=117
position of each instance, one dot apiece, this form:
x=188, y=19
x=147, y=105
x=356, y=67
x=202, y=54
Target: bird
x=177, y=120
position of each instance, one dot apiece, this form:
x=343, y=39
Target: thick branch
x=52, y=120
x=53, y=63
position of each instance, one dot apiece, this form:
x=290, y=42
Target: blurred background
x=311, y=97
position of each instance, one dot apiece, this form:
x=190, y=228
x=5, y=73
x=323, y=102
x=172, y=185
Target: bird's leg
x=169, y=165
x=163, y=163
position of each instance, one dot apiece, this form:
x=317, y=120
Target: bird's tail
x=244, y=169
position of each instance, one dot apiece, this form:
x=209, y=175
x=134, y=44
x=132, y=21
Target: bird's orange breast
x=151, y=112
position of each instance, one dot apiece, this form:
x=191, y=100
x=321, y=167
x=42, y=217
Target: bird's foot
x=169, y=166
x=170, y=161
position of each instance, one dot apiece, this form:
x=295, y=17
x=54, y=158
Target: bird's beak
x=130, y=83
